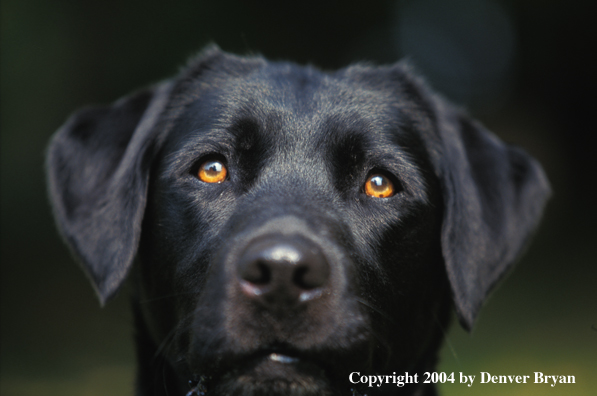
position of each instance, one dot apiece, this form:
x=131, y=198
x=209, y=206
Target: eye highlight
x=212, y=171
x=379, y=186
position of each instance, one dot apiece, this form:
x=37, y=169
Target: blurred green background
x=523, y=67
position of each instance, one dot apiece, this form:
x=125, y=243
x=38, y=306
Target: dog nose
x=283, y=270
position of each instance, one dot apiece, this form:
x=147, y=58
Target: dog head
x=292, y=225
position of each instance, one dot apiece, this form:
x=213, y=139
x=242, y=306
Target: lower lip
x=276, y=357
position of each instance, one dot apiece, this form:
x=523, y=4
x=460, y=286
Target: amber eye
x=379, y=186
x=212, y=171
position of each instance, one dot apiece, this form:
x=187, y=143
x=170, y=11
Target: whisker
x=165, y=343
x=379, y=338
x=183, y=325
x=446, y=339
x=374, y=308
x=164, y=379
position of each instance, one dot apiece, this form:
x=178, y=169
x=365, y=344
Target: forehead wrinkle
x=280, y=112
x=303, y=129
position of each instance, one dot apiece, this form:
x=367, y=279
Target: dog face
x=291, y=226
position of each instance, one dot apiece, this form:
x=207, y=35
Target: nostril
x=257, y=273
x=299, y=278
x=311, y=276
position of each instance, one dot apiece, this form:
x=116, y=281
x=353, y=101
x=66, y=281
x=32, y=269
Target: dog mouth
x=269, y=372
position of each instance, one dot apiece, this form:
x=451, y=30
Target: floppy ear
x=494, y=195
x=98, y=169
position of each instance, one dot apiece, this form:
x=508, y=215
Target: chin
x=273, y=375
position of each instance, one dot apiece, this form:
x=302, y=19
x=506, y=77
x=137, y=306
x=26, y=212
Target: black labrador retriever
x=290, y=231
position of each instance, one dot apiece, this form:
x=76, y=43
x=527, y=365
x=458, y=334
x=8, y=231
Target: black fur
x=379, y=275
